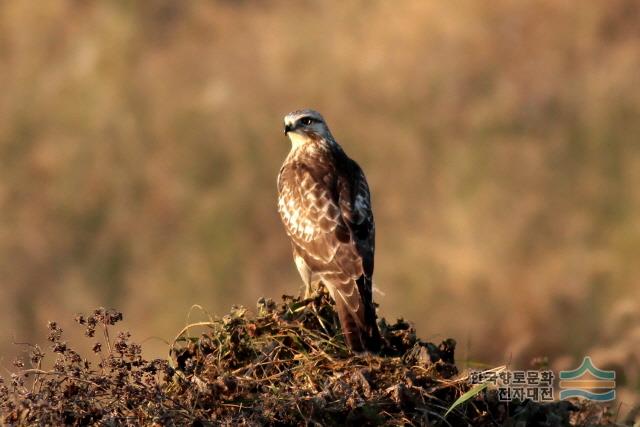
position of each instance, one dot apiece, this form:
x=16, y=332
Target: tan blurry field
x=140, y=141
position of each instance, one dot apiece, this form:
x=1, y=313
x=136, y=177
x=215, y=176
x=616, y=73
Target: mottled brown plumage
x=325, y=206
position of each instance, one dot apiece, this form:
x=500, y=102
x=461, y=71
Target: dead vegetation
x=285, y=365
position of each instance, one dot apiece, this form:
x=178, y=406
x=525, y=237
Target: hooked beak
x=287, y=128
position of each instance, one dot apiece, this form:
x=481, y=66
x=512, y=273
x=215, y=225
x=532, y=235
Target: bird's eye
x=307, y=121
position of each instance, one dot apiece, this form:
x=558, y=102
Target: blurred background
x=140, y=143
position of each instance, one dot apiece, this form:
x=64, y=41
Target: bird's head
x=302, y=125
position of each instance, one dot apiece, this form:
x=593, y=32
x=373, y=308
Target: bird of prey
x=324, y=203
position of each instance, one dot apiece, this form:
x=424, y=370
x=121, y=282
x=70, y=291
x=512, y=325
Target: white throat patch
x=297, y=140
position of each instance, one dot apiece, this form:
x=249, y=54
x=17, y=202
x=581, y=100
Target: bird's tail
x=357, y=315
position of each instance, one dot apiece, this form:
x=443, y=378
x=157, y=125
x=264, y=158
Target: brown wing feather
x=355, y=203
x=327, y=215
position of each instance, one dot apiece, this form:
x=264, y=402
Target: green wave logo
x=576, y=383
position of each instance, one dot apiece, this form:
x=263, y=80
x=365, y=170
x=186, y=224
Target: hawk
x=325, y=206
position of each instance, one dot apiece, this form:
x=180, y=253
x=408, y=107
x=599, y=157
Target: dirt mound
x=285, y=365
